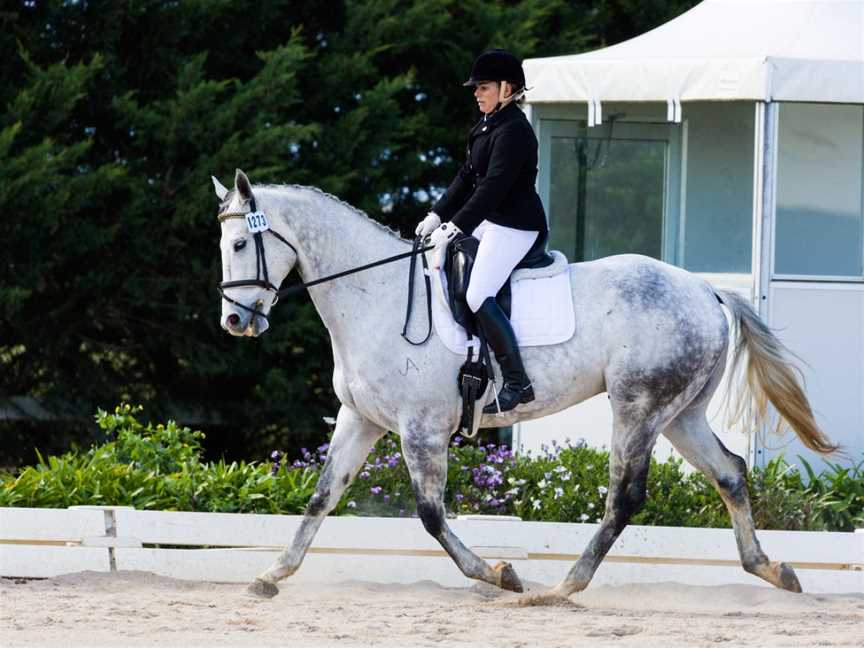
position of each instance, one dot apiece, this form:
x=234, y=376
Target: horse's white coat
x=652, y=335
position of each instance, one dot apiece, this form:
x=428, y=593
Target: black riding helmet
x=497, y=65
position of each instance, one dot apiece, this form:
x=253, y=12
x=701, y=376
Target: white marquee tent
x=764, y=162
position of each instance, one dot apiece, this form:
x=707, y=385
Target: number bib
x=257, y=222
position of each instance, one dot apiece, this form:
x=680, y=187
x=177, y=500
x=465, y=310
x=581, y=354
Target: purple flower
x=386, y=499
x=274, y=455
x=375, y=490
x=364, y=474
x=459, y=497
x=352, y=504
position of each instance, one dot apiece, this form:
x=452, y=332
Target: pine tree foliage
x=115, y=114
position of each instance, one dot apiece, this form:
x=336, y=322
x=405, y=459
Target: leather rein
x=262, y=277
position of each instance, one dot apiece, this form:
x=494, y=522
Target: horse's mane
x=349, y=206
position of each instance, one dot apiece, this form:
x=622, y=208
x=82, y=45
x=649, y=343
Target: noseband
x=257, y=224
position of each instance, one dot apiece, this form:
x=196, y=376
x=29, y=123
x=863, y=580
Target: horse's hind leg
x=691, y=435
x=629, y=459
x=352, y=441
x=425, y=452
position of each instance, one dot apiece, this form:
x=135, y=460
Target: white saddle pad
x=542, y=307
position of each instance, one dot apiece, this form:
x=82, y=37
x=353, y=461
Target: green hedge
x=160, y=467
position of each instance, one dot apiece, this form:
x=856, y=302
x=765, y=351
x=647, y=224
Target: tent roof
x=782, y=50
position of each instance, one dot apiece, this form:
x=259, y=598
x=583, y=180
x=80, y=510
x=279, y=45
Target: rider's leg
x=501, y=249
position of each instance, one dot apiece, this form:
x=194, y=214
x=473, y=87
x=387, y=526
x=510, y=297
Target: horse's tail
x=770, y=377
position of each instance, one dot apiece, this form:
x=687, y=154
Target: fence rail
x=37, y=543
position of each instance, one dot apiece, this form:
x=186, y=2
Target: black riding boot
x=496, y=327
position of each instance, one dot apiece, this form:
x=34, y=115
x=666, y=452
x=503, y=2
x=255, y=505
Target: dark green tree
x=115, y=114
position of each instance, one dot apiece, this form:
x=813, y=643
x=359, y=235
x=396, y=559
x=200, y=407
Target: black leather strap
x=415, y=250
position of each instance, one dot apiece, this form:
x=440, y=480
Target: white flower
x=542, y=484
x=590, y=505
x=566, y=476
x=352, y=504
x=602, y=490
x=560, y=469
x=559, y=492
x=535, y=503
x=583, y=517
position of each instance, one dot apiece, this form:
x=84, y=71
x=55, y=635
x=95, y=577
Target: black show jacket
x=496, y=183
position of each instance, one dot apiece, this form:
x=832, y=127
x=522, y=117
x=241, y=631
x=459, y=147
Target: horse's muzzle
x=245, y=324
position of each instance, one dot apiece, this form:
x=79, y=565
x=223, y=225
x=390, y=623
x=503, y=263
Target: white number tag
x=257, y=222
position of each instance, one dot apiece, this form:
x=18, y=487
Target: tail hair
x=770, y=377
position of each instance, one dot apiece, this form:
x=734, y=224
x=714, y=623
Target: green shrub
x=161, y=468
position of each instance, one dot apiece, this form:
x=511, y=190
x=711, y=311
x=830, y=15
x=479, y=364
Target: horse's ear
x=221, y=190
x=242, y=184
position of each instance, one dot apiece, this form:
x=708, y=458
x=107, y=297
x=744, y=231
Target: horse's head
x=254, y=262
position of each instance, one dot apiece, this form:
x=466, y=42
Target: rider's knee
x=475, y=297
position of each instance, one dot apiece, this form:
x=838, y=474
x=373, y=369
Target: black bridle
x=262, y=277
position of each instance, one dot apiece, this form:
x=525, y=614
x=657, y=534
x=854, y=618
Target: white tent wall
x=812, y=267
x=713, y=232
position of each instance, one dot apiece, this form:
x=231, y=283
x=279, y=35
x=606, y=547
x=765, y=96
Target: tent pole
x=764, y=212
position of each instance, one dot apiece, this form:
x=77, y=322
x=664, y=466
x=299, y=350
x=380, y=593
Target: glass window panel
x=606, y=196
x=718, y=228
x=820, y=223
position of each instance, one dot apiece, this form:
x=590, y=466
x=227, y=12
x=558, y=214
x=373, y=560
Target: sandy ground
x=138, y=609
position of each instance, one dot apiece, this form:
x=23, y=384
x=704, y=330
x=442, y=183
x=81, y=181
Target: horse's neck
x=332, y=237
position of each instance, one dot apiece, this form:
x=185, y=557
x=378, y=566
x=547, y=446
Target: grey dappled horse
x=651, y=335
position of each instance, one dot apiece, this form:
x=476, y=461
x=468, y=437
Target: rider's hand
x=441, y=238
x=428, y=224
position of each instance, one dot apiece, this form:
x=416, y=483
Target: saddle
x=474, y=375
x=458, y=264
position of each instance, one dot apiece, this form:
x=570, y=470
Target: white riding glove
x=428, y=224
x=441, y=238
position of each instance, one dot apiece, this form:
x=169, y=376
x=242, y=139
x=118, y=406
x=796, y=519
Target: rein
x=261, y=269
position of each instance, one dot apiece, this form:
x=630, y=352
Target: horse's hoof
x=262, y=589
x=786, y=578
x=507, y=578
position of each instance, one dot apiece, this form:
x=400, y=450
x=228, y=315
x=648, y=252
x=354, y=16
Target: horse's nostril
x=233, y=319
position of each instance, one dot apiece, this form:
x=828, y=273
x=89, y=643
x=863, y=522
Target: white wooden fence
x=40, y=543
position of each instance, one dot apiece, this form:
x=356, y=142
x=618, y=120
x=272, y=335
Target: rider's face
x=486, y=94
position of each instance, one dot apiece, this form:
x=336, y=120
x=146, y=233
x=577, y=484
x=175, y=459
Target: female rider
x=493, y=198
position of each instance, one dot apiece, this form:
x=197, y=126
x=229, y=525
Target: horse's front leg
x=352, y=441
x=425, y=452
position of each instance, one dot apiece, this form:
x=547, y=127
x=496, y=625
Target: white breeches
x=501, y=248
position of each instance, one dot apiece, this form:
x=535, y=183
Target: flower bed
x=160, y=467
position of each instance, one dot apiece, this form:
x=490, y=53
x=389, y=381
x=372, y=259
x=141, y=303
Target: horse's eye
x=239, y=245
